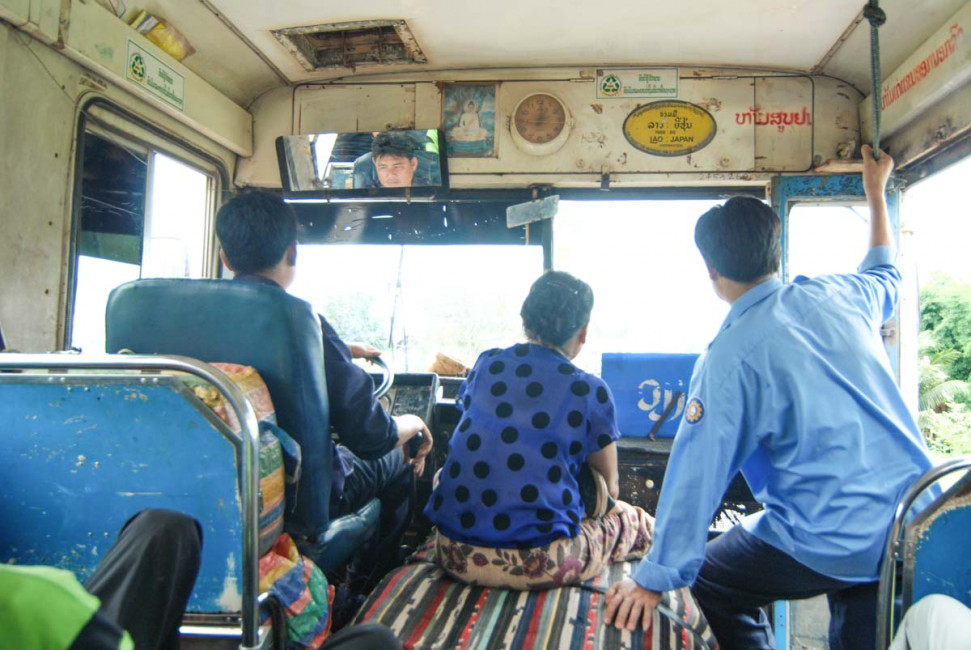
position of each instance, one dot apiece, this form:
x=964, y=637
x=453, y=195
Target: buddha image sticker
x=670, y=128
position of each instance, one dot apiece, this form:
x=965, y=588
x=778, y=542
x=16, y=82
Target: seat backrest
x=927, y=551
x=937, y=557
x=86, y=450
x=251, y=324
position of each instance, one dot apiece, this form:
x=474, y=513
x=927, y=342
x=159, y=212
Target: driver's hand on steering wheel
x=363, y=350
x=408, y=427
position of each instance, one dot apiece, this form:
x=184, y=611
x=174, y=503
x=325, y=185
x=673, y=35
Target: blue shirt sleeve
x=359, y=419
x=879, y=283
x=602, y=416
x=708, y=451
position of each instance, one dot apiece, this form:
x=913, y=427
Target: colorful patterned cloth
x=428, y=610
x=272, y=478
x=302, y=590
x=294, y=580
x=622, y=535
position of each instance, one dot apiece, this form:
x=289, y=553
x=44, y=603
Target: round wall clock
x=540, y=124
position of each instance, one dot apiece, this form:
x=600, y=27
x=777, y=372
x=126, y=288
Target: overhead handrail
x=873, y=13
x=249, y=441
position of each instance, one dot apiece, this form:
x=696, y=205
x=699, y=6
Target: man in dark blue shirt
x=258, y=234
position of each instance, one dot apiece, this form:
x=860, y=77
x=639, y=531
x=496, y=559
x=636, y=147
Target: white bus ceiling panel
x=100, y=41
x=497, y=34
x=221, y=57
x=909, y=23
x=16, y=12
x=40, y=18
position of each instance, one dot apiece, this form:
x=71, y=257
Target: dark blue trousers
x=389, y=479
x=741, y=574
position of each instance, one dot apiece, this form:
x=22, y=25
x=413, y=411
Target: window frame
x=124, y=128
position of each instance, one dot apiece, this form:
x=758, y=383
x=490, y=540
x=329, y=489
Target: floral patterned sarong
x=623, y=534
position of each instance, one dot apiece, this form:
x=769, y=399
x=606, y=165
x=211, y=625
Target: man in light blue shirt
x=796, y=391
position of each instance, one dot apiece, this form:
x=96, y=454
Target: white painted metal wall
x=42, y=94
x=748, y=146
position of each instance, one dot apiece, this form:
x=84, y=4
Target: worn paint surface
x=941, y=555
x=762, y=124
x=81, y=458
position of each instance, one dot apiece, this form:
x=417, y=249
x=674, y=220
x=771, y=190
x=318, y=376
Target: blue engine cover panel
x=644, y=385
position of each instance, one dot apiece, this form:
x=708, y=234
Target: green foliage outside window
x=945, y=366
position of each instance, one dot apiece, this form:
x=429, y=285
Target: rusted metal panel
x=350, y=44
x=763, y=123
x=941, y=64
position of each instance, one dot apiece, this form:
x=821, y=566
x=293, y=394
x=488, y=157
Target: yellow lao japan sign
x=669, y=128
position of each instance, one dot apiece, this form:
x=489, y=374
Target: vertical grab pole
x=873, y=13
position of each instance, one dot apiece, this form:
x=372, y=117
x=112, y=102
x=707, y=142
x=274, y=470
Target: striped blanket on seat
x=428, y=610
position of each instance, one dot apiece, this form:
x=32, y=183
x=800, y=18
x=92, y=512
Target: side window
x=140, y=213
x=827, y=238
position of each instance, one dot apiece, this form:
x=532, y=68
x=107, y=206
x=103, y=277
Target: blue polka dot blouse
x=529, y=420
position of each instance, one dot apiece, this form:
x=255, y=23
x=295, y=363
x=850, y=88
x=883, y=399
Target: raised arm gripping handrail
x=249, y=440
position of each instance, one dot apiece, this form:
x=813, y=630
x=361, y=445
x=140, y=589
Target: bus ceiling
x=696, y=93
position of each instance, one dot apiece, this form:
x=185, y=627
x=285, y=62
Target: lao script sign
x=649, y=391
x=622, y=83
x=146, y=70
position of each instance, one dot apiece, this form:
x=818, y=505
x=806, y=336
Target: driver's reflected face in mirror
x=395, y=171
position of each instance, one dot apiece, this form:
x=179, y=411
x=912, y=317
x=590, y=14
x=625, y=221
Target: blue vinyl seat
x=927, y=551
x=279, y=335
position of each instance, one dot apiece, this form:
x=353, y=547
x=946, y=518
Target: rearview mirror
x=383, y=164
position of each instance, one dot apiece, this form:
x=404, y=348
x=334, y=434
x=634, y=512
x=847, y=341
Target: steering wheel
x=385, y=385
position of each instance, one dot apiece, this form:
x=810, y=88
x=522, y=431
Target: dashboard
x=412, y=393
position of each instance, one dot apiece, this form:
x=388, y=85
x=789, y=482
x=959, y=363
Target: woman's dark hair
x=741, y=239
x=557, y=306
x=255, y=229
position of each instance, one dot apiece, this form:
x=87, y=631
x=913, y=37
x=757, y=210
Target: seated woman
x=507, y=501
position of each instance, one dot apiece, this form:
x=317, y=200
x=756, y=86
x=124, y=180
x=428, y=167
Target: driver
x=258, y=233
x=394, y=158
x=399, y=159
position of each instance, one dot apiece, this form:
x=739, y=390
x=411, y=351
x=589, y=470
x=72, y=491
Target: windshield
x=414, y=302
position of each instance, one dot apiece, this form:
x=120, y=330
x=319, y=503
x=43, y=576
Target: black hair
x=740, y=239
x=393, y=144
x=255, y=229
x=557, y=306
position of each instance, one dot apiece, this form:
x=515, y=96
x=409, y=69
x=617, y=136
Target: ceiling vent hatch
x=353, y=44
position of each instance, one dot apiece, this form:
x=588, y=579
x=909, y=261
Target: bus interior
x=568, y=136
